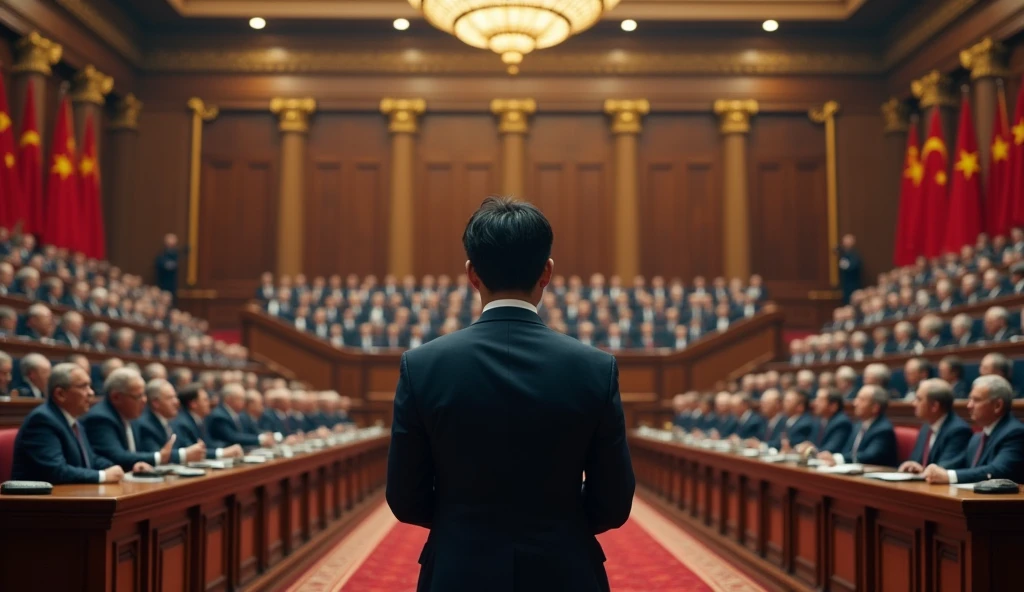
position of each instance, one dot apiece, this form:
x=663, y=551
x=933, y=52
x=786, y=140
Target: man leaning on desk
x=51, y=445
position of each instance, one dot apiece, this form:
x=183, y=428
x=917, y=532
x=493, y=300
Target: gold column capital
x=985, y=59
x=293, y=114
x=896, y=115
x=513, y=114
x=204, y=111
x=126, y=113
x=36, y=53
x=627, y=114
x=823, y=113
x=402, y=114
x=91, y=86
x=934, y=89
x=734, y=115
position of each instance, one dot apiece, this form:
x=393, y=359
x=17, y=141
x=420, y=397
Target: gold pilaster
x=293, y=114
x=126, y=113
x=36, y=53
x=201, y=112
x=403, y=115
x=934, y=89
x=826, y=114
x=513, y=124
x=896, y=117
x=91, y=86
x=985, y=59
x=734, y=115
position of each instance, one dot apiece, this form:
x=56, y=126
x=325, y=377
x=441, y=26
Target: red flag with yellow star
x=10, y=187
x=909, y=232
x=964, y=221
x=934, y=181
x=1015, y=189
x=63, y=214
x=94, y=240
x=29, y=210
x=997, y=201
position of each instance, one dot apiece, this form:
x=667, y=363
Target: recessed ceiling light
x=401, y=24
x=629, y=25
x=257, y=23
x=770, y=25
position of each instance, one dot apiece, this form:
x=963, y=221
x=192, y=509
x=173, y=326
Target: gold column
x=403, y=117
x=935, y=91
x=513, y=123
x=119, y=185
x=827, y=114
x=35, y=56
x=201, y=112
x=293, y=116
x=626, y=117
x=734, y=125
x=987, y=62
x=89, y=91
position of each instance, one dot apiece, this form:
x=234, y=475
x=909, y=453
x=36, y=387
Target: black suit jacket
x=836, y=432
x=222, y=428
x=950, y=447
x=108, y=437
x=876, y=447
x=154, y=436
x=509, y=512
x=45, y=450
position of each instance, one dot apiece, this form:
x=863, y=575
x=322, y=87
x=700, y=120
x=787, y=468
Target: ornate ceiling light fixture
x=513, y=28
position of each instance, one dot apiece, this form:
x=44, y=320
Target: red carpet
x=648, y=554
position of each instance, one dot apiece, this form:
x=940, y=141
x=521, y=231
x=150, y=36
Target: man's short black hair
x=508, y=242
x=188, y=394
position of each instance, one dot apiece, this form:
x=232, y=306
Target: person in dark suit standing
x=546, y=466
x=997, y=451
x=943, y=437
x=51, y=445
x=166, y=266
x=849, y=267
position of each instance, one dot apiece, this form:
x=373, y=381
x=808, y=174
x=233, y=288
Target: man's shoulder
x=470, y=337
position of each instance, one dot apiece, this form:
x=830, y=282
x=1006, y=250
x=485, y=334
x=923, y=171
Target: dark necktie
x=927, y=445
x=167, y=429
x=981, y=447
x=81, y=445
x=821, y=431
x=857, y=441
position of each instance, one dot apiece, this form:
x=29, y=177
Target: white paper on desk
x=774, y=458
x=967, y=486
x=845, y=469
x=131, y=478
x=895, y=476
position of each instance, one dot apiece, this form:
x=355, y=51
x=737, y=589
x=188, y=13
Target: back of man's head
x=508, y=243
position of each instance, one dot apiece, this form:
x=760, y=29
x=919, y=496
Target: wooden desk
x=249, y=527
x=645, y=378
x=796, y=528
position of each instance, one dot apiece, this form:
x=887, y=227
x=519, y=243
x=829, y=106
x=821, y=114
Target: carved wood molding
x=104, y=28
x=903, y=42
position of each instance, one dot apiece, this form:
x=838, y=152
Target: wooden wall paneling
x=569, y=177
x=127, y=557
x=171, y=552
x=808, y=538
x=238, y=216
x=458, y=166
x=347, y=205
x=276, y=520
x=845, y=559
x=681, y=210
x=754, y=515
x=949, y=562
x=897, y=560
x=212, y=553
x=247, y=516
x=777, y=502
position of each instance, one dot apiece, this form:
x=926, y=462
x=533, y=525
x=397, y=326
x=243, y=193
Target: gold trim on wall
x=827, y=114
x=392, y=61
x=201, y=112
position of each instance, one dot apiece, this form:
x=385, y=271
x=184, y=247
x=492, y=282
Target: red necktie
x=81, y=444
x=977, y=453
x=927, y=445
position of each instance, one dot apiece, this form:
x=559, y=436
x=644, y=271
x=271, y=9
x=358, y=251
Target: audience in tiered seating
x=926, y=290
x=143, y=421
x=47, y=278
x=946, y=450
x=363, y=314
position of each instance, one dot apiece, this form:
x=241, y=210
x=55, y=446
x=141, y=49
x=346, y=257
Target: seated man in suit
x=35, y=375
x=154, y=425
x=833, y=424
x=275, y=418
x=341, y=414
x=683, y=405
x=749, y=424
x=775, y=420
x=253, y=411
x=111, y=428
x=997, y=451
x=224, y=423
x=951, y=369
x=190, y=425
x=873, y=439
x=726, y=422
x=943, y=437
x=997, y=325
x=799, y=426
x=51, y=446
x=705, y=419
x=70, y=332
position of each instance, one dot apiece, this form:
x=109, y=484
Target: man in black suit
x=35, y=375
x=508, y=439
x=749, y=423
x=834, y=426
x=872, y=440
x=154, y=425
x=943, y=437
x=951, y=369
x=190, y=425
x=224, y=423
x=849, y=267
x=51, y=445
x=111, y=427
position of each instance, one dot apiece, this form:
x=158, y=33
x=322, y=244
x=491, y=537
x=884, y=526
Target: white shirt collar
x=866, y=424
x=510, y=302
x=163, y=420
x=938, y=424
x=196, y=418
x=989, y=428
x=70, y=419
x=745, y=416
